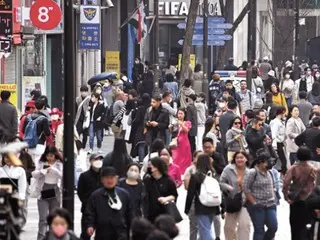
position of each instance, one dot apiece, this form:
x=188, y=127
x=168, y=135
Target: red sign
x=45, y=14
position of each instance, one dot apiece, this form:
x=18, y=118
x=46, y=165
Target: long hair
x=208, y=125
x=160, y=165
x=203, y=166
x=233, y=120
x=119, y=154
x=54, y=151
x=315, y=89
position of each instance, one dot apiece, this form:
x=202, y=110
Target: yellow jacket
x=281, y=100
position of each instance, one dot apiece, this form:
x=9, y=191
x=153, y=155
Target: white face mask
x=287, y=76
x=98, y=91
x=317, y=75
x=133, y=175
x=97, y=164
x=136, y=62
x=55, y=117
x=309, y=73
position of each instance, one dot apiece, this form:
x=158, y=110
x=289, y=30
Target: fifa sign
x=181, y=8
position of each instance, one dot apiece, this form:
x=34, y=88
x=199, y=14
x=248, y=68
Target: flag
x=138, y=21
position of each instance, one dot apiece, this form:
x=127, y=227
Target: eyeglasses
x=236, y=123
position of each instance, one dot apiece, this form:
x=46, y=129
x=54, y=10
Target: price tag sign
x=45, y=14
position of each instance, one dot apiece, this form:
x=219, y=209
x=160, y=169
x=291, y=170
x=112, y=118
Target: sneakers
x=90, y=151
x=99, y=151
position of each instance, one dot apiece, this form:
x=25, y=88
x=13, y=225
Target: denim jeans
x=205, y=226
x=141, y=151
x=289, y=101
x=92, y=134
x=261, y=216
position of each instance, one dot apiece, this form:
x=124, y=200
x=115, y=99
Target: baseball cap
x=108, y=171
x=95, y=156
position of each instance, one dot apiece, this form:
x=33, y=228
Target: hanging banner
x=112, y=63
x=192, y=61
x=12, y=88
x=29, y=84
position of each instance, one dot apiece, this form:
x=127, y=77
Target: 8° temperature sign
x=45, y=14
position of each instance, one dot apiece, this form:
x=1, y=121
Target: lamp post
x=69, y=98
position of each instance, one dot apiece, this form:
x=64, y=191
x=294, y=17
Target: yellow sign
x=12, y=88
x=112, y=63
x=192, y=61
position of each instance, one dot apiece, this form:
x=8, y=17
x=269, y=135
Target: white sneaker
x=99, y=151
x=90, y=151
x=106, y=133
x=110, y=133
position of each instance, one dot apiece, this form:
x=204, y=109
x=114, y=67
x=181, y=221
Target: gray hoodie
x=184, y=93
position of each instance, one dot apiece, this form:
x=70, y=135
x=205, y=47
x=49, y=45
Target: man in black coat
x=89, y=182
x=156, y=121
x=109, y=211
x=192, y=116
x=219, y=162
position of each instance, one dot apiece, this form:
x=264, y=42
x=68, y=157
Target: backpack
x=214, y=89
x=31, y=133
x=210, y=192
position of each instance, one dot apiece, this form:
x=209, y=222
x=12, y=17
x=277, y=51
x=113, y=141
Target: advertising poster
x=192, y=61
x=12, y=88
x=112, y=63
x=29, y=84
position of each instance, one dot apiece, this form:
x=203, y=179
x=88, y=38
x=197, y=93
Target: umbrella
x=102, y=76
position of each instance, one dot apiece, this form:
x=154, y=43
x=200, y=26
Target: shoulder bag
x=171, y=208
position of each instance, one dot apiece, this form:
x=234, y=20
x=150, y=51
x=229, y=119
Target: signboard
x=5, y=5
x=192, y=61
x=5, y=24
x=180, y=8
x=213, y=37
x=200, y=42
x=45, y=14
x=210, y=25
x=90, y=27
x=112, y=62
x=29, y=84
x=5, y=45
x=12, y=88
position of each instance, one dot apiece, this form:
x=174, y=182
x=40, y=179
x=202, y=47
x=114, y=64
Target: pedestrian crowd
x=236, y=152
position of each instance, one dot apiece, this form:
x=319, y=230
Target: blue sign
x=211, y=20
x=200, y=43
x=213, y=37
x=210, y=31
x=89, y=36
x=210, y=25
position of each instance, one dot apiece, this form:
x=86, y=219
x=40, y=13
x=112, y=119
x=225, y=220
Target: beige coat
x=59, y=139
x=293, y=129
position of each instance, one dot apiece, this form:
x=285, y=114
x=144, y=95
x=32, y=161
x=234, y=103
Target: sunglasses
x=236, y=123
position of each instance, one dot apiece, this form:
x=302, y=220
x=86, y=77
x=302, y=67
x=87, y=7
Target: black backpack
x=215, y=89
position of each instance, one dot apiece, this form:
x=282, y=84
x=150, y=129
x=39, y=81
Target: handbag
x=294, y=192
x=171, y=208
x=174, y=141
x=48, y=194
x=234, y=204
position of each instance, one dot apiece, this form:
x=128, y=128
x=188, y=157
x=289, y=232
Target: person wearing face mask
x=54, y=124
x=259, y=188
x=133, y=184
x=304, y=83
x=82, y=105
x=160, y=189
x=287, y=88
x=89, y=182
x=59, y=222
x=109, y=210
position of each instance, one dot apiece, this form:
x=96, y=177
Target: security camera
x=109, y=4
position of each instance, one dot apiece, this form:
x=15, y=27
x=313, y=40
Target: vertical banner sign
x=89, y=27
x=192, y=61
x=131, y=42
x=112, y=63
x=5, y=24
x=12, y=88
